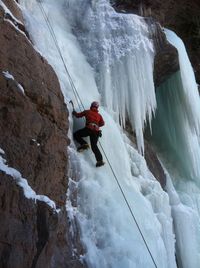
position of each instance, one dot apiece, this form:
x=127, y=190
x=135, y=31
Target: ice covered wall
x=176, y=135
x=119, y=49
x=108, y=232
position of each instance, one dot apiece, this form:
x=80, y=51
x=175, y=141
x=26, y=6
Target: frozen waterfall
x=118, y=47
x=110, y=58
x=176, y=136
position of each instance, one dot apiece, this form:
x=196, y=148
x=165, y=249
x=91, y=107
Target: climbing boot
x=100, y=163
x=83, y=147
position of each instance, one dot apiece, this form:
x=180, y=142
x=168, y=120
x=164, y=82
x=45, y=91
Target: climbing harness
x=81, y=107
x=93, y=125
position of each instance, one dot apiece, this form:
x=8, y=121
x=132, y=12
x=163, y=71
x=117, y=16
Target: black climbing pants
x=85, y=132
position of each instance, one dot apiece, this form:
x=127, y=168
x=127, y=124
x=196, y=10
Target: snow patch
x=16, y=28
x=7, y=11
x=8, y=75
x=34, y=141
x=11, y=77
x=2, y=151
x=22, y=182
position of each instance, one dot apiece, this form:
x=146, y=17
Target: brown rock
x=166, y=58
x=39, y=114
x=64, y=255
x=33, y=135
x=16, y=18
x=154, y=164
x=18, y=234
x=12, y=6
x=32, y=234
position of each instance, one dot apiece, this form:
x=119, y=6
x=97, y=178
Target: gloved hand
x=100, y=133
x=74, y=113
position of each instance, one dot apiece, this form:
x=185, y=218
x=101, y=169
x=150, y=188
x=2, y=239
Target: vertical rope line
x=79, y=100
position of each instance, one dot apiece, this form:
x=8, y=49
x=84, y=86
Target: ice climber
x=93, y=122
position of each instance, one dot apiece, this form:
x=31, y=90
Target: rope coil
x=80, y=104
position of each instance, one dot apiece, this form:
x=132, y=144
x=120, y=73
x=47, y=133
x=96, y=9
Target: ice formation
x=109, y=57
x=176, y=135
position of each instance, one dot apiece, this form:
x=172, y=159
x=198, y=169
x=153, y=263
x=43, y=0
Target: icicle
x=118, y=48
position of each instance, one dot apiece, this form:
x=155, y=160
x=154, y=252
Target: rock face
x=166, y=56
x=154, y=164
x=25, y=227
x=181, y=16
x=32, y=234
x=33, y=123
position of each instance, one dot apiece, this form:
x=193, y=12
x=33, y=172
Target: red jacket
x=93, y=119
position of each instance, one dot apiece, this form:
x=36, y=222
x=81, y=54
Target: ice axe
x=71, y=102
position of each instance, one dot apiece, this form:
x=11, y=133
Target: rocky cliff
x=33, y=142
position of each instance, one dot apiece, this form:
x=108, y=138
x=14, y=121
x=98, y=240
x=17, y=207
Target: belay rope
x=81, y=106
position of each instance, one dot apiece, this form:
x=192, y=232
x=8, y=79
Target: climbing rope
x=78, y=99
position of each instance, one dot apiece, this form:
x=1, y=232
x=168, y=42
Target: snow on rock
x=28, y=191
x=2, y=151
x=34, y=141
x=12, y=20
x=7, y=11
x=9, y=76
x=20, y=88
x=16, y=28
